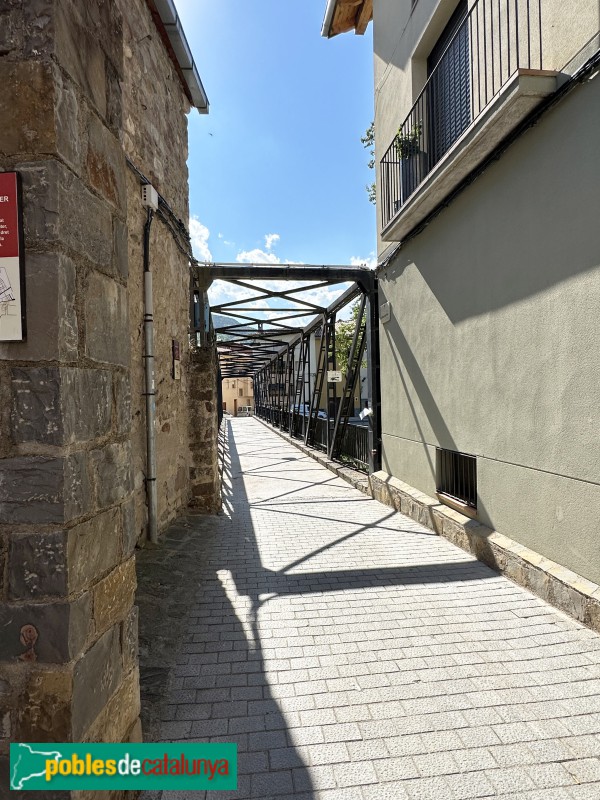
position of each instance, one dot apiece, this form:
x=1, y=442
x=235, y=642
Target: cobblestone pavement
x=354, y=655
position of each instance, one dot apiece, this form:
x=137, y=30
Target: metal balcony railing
x=495, y=40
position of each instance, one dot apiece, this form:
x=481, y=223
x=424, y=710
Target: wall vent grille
x=457, y=476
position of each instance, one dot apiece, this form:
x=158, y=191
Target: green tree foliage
x=344, y=331
x=368, y=141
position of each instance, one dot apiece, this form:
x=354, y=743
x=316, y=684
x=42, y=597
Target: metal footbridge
x=272, y=328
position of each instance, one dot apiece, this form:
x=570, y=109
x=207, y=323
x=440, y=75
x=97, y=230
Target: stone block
x=593, y=614
x=52, y=332
x=86, y=404
x=67, y=115
x=85, y=221
x=106, y=321
x=32, y=490
x=52, y=632
x=129, y=640
x=77, y=488
x=5, y=727
x=44, y=708
x=40, y=203
x=38, y=25
x=79, y=52
x=105, y=163
x=437, y=519
x=27, y=89
x=128, y=527
x=120, y=248
x=37, y=565
x=59, y=207
x=538, y=582
x=11, y=32
x=113, y=596
x=120, y=714
x=3, y=567
x=114, y=100
x=36, y=410
x=105, y=22
x=122, y=392
x=424, y=515
x=93, y=549
x=112, y=473
x=454, y=532
x=515, y=569
x=96, y=677
x=80, y=624
x=135, y=732
x=568, y=600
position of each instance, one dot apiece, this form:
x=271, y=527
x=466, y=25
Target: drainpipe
x=150, y=384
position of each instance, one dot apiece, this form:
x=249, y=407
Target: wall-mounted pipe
x=150, y=388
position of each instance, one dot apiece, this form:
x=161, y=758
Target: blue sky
x=279, y=155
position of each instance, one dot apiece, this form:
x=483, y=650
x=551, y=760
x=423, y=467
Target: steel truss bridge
x=274, y=330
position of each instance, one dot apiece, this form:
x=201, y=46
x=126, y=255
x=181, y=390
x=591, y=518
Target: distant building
x=238, y=394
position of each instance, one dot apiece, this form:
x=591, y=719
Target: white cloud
x=271, y=239
x=223, y=292
x=370, y=262
x=199, y=234
x=257, y=256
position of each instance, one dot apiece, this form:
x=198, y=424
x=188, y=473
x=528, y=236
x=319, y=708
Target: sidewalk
x=354, y=655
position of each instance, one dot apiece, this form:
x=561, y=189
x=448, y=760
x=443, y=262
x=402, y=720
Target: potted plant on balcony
x=408, y=150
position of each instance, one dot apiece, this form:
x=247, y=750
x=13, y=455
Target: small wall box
x=385, y=312
x=150, y=197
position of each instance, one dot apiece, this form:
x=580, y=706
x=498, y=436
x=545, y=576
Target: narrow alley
x=352, y=654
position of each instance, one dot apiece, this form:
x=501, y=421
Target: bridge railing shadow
x=213, y=586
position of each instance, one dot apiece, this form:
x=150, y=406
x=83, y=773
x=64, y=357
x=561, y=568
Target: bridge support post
x=373, y=384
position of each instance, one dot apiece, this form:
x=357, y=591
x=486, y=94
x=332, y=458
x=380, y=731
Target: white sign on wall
x=385, y=312
x=334, y=376
x=12, y=286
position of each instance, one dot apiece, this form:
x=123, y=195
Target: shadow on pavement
x=203, y=672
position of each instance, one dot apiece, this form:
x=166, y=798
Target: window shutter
x=449, y=93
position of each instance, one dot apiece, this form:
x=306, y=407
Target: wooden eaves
x=346, y=15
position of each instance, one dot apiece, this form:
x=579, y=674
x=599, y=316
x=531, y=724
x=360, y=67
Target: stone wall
x=155, y=140
x=204, y=457
x=87, y=83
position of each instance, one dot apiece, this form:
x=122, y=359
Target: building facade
x=238, y=395
x=98, y=94
x=488, y=163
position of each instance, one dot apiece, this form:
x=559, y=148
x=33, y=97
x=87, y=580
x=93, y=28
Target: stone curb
x=355, y=478
x=557, y=585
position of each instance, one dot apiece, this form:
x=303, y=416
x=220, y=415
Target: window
x=449, y=96
x=241, y=392
x=457, y=476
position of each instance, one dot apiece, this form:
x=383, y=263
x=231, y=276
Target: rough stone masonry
x=84, y=86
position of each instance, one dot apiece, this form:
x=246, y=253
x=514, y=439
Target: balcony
x=484, y=82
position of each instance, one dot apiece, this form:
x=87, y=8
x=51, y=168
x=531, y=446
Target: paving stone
x=585, y=770
x=385, y=791
x=547, y=776
x=353, y=655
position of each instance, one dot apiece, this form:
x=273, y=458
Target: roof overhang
x=171, y=31
x=346, y=15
